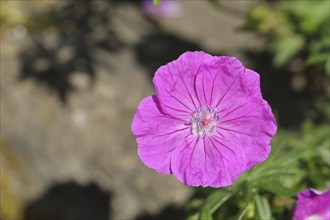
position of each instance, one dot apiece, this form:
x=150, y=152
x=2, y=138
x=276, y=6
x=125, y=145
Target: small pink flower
x=166, y=8
x=312, y=205
x=208, y=123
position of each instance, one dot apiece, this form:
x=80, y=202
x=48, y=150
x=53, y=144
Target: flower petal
x=250, y=123
x=157, y=134
x=175, y=85
x=188, y=163
x=312, y=203
x=230, y=158
x=207, y=162
x=251, y=82
x=223, y=78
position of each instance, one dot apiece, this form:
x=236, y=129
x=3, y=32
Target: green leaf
x=243, y=212
x=206, y=214
x=304, y=11
x=213, y=202
x=275, y=172
x=325, y=155
x=282, y=186
x=285, y=49
x=263, y=208
x=193, y=217
x=218, y=198
x=156, y=2
x=327, y=67
x=317, y=58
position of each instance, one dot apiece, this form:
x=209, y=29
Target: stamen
x=199, y=125
x=203, y=121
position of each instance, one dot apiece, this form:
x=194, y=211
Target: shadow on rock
x=179, y=212
x=66, y=44
x=170, y=212
x=71, y=201
x=159, y=48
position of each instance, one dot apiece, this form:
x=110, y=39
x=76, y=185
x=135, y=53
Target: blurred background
x=74, y=72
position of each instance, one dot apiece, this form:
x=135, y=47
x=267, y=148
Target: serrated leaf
x=263, y=208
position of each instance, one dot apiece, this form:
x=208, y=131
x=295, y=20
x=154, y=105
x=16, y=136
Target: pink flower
x=312, y=205
x=208, y=123
x=166, y=8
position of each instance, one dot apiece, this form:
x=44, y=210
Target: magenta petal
x=208, y=162
x=157, y=134
x=233, y=160
x=175, y=84
x=251, y=82
x=312, y=204
x=167, y=8
x=188, y=162
x=250, y=123
x=224, y=78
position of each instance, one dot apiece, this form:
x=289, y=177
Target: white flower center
x=314, y=217
x=203, y=121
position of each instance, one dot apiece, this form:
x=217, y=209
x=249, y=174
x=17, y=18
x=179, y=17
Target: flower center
x=314, y=217
x=203, y=121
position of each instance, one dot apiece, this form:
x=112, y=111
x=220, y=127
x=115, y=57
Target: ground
x=69, y=92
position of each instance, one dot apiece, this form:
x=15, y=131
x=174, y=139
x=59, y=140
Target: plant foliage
x=296, y=29
x=268, y=190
